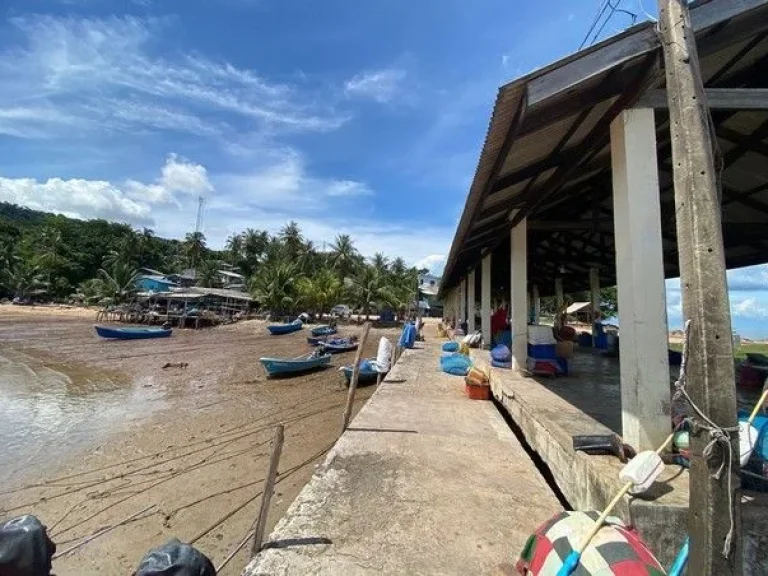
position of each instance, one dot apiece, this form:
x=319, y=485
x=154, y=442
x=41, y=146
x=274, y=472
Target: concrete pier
x=425, y=481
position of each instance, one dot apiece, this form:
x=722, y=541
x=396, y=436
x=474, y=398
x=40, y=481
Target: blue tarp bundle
x=408, y=337
x=456, y=364
x=451, y=347
x=501, y=353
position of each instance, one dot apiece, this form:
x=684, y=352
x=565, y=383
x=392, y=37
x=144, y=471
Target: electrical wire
x=599, y=15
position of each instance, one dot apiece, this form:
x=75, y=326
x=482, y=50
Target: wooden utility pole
x=353, y=380
x=269, y=489
x=710, y=370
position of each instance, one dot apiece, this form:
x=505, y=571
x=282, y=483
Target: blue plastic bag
x=408, y=337
x=456, y=364
x=451, y=347
x=501, y=353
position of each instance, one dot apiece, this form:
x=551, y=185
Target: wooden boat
x=316, y=340
x=367, y=374
x=338, y=345
x=132, y=333
x=323, y=331
x=285, y=366
x=278, y=329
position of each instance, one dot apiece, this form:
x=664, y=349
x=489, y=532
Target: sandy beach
x=102, y=431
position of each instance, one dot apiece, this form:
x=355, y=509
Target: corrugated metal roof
x=547, y=144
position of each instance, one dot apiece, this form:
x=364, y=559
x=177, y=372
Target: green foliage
x=51, y=256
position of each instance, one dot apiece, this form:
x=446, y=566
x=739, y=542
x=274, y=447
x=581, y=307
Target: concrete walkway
x=425, y=481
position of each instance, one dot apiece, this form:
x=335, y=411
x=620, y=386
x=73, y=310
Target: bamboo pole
x=269, y=487
x=355, y=376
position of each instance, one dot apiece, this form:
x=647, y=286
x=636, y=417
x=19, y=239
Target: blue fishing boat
x=366, y=375
x=278, y=329
x=338, y=345
x=132, y=333
x=316, y=340
x=285, y=366
x=323, y=331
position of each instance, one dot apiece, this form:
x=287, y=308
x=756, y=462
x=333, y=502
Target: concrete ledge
x=424, y=481
x=589, y=482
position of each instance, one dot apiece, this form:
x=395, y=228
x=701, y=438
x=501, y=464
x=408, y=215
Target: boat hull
x=364, y=376
x=337, y=348
x=285, y=366
x=323, y=331
x=132, y=333
x=279, y=329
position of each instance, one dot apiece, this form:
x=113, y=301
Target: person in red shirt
x=498, y=322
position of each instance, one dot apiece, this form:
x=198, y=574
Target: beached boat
x=323, y=331
x=277, y=329
x=366, y=375
x=338, y=345
x=132, y=333
x=316, y=340
x=284, y=366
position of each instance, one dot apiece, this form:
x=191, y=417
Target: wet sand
x=113, y=433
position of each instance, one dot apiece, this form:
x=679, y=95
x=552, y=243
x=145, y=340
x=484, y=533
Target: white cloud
x=279, y=180
x=749, y=307
x=104, y=73
x=76, y=198
x=380, y=86
x=434, y=263
x=347, y=188
x=133, y=202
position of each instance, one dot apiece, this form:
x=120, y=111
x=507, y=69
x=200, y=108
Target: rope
x=717, y=435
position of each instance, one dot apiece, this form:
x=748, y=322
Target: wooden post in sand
x=269, y=488
x=355, y=375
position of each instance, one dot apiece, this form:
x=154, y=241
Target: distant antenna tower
x=199, y=221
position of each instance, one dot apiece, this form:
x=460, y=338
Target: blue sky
x=346, y=116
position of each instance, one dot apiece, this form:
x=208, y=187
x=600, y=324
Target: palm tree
x=207, y=274
x=119, y=283
x=50, y=257
x=319, y=292
x=380, y=262
x=274, y=286
x=343, y=256
x=194, y=247
x=235, y=248
x=291, y=236
x=398, y=266
x=22, y=278
x=369, y=289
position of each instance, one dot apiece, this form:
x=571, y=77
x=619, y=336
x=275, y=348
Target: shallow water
x=48, y=412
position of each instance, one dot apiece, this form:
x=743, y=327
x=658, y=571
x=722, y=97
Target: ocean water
x=49, y=412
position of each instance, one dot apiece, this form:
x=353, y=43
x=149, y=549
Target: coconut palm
x=369, y=288
x=291, y=237
x=22, y=278
x=274, y=286
x=319, y=292
x=194, y=248
x=119, y=283
x=344, y=257
x=207, y=274
x=380, y=262
x=235, y=248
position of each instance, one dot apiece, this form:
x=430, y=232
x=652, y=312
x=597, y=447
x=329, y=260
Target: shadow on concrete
x=293, y=542
x=392, y=430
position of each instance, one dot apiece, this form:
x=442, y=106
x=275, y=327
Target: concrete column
x=463, y=300
x=518, y=294
x=645, y=396
x=536, y=305
x=594, y=291
x=471, y=301
x=485, y=299
x=559, y=298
